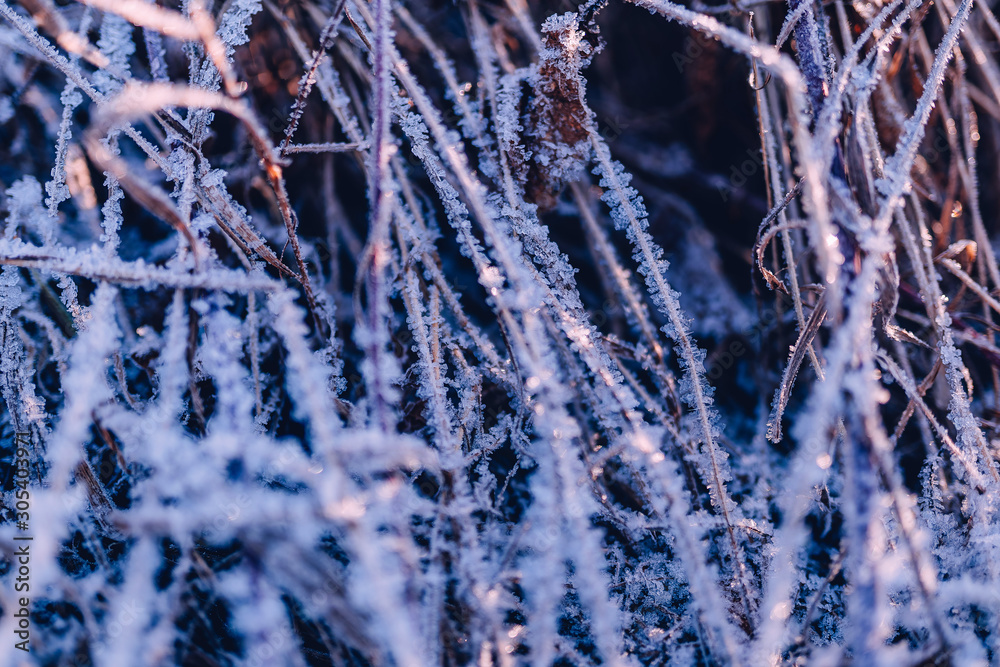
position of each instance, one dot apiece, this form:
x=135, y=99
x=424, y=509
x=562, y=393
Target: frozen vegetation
x=343, y=332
